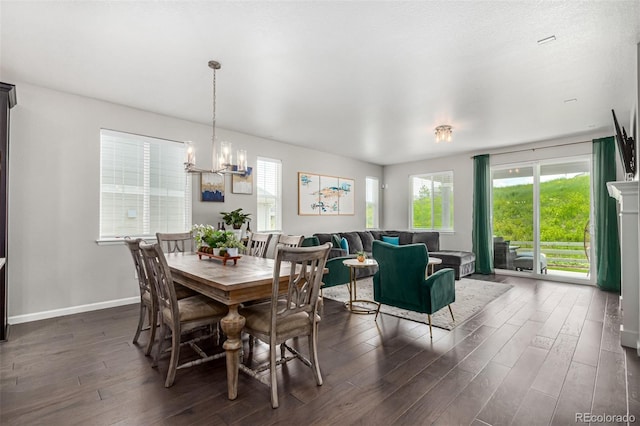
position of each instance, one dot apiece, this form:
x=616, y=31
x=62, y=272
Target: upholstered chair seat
x=295, y=314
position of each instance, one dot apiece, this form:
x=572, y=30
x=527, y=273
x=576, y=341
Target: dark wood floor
x=539, y=354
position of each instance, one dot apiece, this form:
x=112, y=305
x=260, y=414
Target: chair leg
x=153, y=324
x=377, y=312
x=175, y=355
x=430, y=331
x=143, y=309
x=273, y=374
x=313, y=352
x=160, y=345
x=451, y=311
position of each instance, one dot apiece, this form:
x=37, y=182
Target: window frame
x=277, y=197
x=146, y=178
x=448, y=173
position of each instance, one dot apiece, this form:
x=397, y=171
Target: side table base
x=360, y=309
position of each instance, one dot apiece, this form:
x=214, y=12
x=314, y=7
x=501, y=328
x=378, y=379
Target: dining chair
x=179, y=316
x=290, y=240
x=176, y=242
x=148, y=299
x=292, y=315
x=258, y=244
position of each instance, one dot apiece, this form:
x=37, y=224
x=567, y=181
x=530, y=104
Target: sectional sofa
x=462, y=262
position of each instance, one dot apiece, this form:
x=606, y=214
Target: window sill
x=120, y=240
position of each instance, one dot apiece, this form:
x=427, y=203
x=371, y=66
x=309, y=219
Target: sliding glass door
x=513, y=217
x=541, y=217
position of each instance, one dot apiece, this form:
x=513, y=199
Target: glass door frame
x=536, y=165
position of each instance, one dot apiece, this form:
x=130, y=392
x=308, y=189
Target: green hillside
x=564, y=210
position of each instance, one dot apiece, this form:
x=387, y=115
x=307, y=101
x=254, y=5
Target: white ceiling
x=366, y=79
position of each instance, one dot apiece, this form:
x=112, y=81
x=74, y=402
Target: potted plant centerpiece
x=208, y=239
x=361, y=256
x=235, y=218
x=219, y=243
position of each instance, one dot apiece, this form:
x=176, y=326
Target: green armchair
x=400, y=280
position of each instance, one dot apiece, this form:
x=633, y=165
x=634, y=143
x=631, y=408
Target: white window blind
x=432, y=201
x=372, y=191
x=143, y=186
x=269, y=184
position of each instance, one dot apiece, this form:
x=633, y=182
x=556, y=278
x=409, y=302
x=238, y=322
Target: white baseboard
x=19, y=319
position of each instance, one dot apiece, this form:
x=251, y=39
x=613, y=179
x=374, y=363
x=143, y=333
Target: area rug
x=471, y=297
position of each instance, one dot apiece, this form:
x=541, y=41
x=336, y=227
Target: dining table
x=248, y=280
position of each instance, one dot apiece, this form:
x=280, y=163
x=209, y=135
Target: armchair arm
x=441, y=289
x=338, y=272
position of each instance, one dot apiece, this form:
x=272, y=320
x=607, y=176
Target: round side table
x=353, y=265
x=433, y=261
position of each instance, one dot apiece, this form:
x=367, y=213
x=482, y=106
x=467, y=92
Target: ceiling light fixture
x=443, y=133
x=547, y=39
x=222, y=159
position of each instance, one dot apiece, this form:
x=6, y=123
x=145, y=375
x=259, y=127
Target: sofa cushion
x=355, y=244
x=377, y=235
x=367, y=240
x=430, y=238
x=452, y=257
x=391, y=240
x=323, y=238
x=406, y=237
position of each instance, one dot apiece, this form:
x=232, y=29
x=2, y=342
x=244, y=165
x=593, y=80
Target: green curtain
x=607, y=243
x=481, y=233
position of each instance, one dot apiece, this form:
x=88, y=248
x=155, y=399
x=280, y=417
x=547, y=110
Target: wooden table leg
x=232, y=325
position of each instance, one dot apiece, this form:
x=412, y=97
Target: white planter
x=216, y=251
x=232, y=251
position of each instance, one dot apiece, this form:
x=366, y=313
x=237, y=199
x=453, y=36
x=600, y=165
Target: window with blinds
x=143, y=186
x=432, y=201
x=371, y=198
x=269, y=185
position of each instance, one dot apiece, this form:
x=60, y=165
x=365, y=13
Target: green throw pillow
x=335, y=240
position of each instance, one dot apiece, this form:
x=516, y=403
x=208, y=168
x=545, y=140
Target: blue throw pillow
x=391, y=240
x=344, y=244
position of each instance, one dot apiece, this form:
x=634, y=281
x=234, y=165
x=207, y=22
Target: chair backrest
x=138, y=262
x=307, y=267
x=160, y=276
x=178, y=242
x=290, y=240
x=401, y=274
x=258, y=244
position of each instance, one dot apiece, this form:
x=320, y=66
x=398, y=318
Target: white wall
x=294, y=159
x=397, y=194
x=55, y=266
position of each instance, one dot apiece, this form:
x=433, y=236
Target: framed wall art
x=242, y=184
x=212, y=187
x=324, y=195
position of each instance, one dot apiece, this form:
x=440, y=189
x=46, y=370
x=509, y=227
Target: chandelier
x=222, y=158
x=443, y=133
